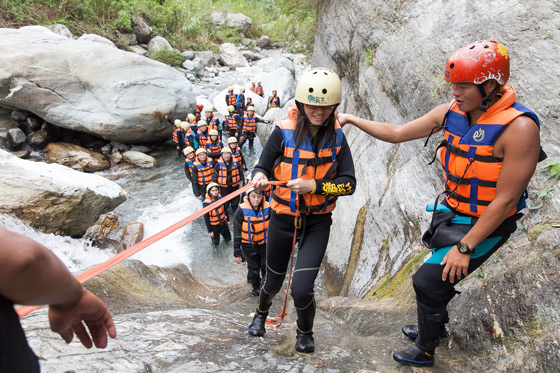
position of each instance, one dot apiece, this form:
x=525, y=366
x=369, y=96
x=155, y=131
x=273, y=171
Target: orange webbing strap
x=297, y=224
x=89, y=274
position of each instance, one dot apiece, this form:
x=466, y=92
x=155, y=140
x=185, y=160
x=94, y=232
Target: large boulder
x=270, y=64
x=89, y=86
x=142, y=30
x=233, y=20
x=158, y=43
x=282, y=80
x=230, y=56
x=75, y=157
x=54, y=198
x=139, y=159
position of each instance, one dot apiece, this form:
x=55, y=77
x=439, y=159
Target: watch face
x=464, y=248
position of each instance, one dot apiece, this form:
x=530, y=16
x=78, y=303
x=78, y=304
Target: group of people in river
x=489, y=152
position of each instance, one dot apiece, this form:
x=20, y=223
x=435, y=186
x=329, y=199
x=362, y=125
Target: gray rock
x=61, y=30
x=118, y=147
x=17, y=136
x=142, y=30
x=103, y=226
x=189, y=55
x=235, y=20
x=75, y=157
x=96, y=39
x=138, y=50
x=90, y=87
x=132, y=234
x=106, y=150
x=128, y=39
x=39, y=139
x=116, y=158
x=281, y=80
x=19, y=115
x=141, y=148
x=139, y=159
x=263, y=42
x=54, y=198
x=158, y=43
x=207, y=58
x=33, y=123
x=272, y=63
x=230, y=56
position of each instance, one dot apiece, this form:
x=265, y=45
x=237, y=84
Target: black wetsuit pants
x=234, y=202
x=255, y=257
x=222, y=229
x=314, y=236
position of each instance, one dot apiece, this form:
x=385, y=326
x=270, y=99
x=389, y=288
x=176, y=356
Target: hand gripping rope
x=89, y=274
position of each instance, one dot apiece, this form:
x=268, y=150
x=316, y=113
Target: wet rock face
x=89, y=86
x=54, y=198
x=390, y=56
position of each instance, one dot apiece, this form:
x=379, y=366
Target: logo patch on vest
x=478, y=136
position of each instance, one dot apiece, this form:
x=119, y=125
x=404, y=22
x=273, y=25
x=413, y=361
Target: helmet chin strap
x=486, y=99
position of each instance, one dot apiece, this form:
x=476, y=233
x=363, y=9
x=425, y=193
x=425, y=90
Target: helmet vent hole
x=486, y=46
x=472, y=47
x=310, y=90
x=314, y=72
x=451, y=66
x=324, y=91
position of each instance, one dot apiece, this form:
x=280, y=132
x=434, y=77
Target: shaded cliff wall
x=390, y=56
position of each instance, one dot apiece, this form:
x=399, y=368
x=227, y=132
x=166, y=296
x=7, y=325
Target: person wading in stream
x=31, y=274
x=217, y=220
x=490, y=150
x=310, y=152
x=250, y=226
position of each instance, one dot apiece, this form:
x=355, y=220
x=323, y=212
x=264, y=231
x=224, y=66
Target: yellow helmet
x=208, y=109
x=242, y=90
x=251, y=108
x=201, y=150
x=232, y=140
x=230, y=108
x=202, y=122
x=319, y=86
x=230, y=88
x=213, y=133
x=177, y=123
x=191, y=117
x=226, y=150
x=187, y=150
x=185, y=125
x=212, y=185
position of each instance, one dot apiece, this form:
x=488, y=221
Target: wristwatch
x=464, y=248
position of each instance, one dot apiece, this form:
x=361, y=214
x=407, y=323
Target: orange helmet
x=478, y=62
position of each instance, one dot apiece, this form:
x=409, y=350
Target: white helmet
x=320, y=87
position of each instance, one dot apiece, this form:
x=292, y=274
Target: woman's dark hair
x=323, y=135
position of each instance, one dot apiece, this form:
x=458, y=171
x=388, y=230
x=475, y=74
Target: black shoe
x=305, y=342
x=411, y=331
x=254, y=293
x=414, y=356
x=257, y=325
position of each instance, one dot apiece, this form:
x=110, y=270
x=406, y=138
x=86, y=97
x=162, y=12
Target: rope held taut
x=89, y=274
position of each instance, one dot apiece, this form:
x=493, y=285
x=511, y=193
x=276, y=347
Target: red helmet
x=478, y=62
x=199, y=107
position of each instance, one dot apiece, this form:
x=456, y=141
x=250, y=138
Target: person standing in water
x=310, y=152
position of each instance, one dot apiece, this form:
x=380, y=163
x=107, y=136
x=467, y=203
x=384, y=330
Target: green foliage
x=168, y=56
x=186, y=24
x=369, y=56
x=553, y=169
x=440, y=86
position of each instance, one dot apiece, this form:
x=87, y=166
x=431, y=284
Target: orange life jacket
x=178, y=135
x=250, y=124
x=203, y=138
x=204, y=171
x=254, y=228
x=259, y=90
x=190, y=166
x=303, y=163
x=217, y=215
x=274, y=101
x=232, y=121
x=214, y=147
x=237, y=155
x=213, y=123
x=223, y=168
x=469, y=167
x=231, y=99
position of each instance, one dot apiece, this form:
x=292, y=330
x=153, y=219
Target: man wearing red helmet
x=490, y=150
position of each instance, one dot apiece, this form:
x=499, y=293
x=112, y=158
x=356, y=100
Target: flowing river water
x=158, y=198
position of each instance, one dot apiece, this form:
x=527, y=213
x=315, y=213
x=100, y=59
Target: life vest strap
x=462, y=199
x=477, y=157
x=467, y=181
